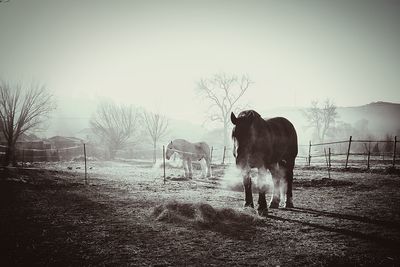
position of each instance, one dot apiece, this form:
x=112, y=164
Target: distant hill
x=378, y=118
x=382, y=117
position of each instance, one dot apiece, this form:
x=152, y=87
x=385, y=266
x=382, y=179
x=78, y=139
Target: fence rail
x=352, y=156
x=317, y=155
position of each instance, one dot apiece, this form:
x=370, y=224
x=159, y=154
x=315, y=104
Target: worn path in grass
x=49, y=217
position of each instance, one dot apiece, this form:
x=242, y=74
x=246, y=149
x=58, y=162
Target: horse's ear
x=233, y=118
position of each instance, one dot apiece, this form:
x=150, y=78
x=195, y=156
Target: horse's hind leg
x=262, y=188
x=276, y=197
x=289, y=181
x=203, y=166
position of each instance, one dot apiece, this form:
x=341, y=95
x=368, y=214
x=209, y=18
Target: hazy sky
x=151, y=53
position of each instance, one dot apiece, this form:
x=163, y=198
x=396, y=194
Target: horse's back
x=199, y=148
x=283, y=136
x=202, y=146
x=280, y=126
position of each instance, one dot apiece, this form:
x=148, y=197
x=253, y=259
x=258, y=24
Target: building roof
x=59, y=138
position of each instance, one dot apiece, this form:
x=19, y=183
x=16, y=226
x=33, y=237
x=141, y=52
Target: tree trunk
x=7, y=158
x=226, y=138
x=154, y=152
x=10, y=153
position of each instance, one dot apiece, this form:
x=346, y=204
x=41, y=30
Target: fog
x=152, y=53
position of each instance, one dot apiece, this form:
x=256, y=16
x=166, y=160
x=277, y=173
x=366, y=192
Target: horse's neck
x=179, y=149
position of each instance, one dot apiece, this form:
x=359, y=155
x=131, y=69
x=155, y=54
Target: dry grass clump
x=205, y=216
x=174, y=212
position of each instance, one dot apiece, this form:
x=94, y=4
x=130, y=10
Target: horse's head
x=170, y=150
x=243, y=134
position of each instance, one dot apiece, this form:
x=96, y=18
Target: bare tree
x=116, y=125
x=22, y=109
x=223, y=91
x=322, y=119
x=157, y=127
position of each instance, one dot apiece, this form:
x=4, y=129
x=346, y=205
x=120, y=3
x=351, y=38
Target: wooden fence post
x=329, y=163
x=212, y=148
x=369, y=155
x=329, y=157
x=309, y=154
x=348, y=153
x=163, y=152
x=394, y=151
x=84, y=153
x=223, y=156
x=326, y=158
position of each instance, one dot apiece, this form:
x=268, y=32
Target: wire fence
x=352, y=153
x=335, y=154
x=24, y=155
x=343, y=153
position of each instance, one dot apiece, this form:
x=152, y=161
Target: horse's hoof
x=263, y=212
x=274, y=205
x=289, y=205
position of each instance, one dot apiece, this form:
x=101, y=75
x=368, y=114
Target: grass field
x=128, y=216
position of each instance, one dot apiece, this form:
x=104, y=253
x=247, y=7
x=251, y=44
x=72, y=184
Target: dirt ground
x=128, y=216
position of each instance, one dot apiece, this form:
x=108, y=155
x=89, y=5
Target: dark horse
x=265, y=144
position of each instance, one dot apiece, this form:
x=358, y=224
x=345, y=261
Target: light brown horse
x=189, y=152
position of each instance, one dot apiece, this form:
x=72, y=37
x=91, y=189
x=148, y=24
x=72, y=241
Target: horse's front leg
x=189, y=163
x=203, y=168
x=247, y=189
x=262, y=189
x=289, y=181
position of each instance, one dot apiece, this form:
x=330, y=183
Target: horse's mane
x=249, y=114
x=245, y=119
